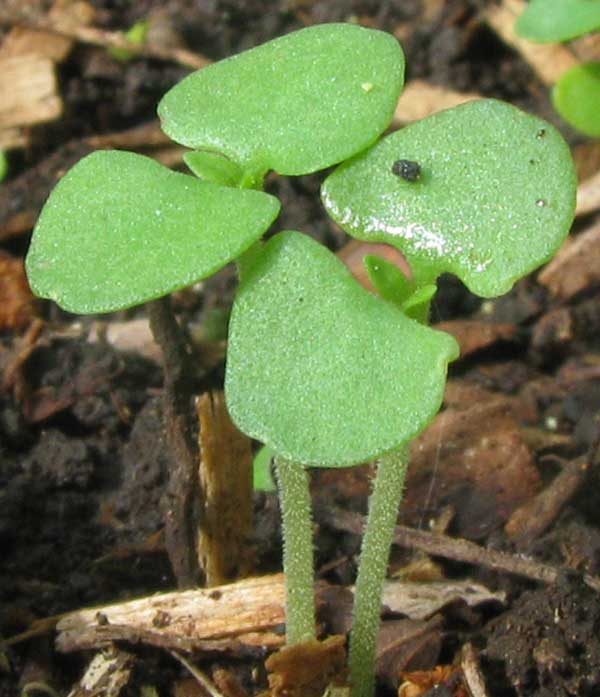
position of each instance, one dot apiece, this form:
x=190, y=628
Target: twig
x=456, y=549
x=200, y=677
x=184, y=503
x=469, y=664
x=108, y=39
x=532, y=519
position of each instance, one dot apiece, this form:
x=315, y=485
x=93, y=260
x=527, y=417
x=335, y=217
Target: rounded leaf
x=495, y=199
x=296, y=104
x=321, y=370
x=120, y=229
x=558, y=20
x=576, y=97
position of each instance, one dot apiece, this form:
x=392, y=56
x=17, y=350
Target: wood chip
x=106, y=675
x=232, y=618
x=21, y=40
x=306, y=669
x=576, y=266
x=226, y=480
x=549, y=61
x=474, y=335
x=29, y=91
x=419, y=601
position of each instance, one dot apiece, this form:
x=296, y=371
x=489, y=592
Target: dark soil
x=84, y=464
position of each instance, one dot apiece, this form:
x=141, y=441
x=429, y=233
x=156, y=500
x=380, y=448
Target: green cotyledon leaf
x=558, y=20
x=120, y=229
x=296, y=104
x=321, y=370
x=495, y=198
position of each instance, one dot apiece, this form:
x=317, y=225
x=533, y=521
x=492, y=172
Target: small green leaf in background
x=213, y=167
x=3, y=166
x=558, y=20
x=321, y=370
x=576, y=97
x=392, y=284
x=120, y=229
x=262, y=478
x=296, y=104
x=495, y=199
x=136, y=35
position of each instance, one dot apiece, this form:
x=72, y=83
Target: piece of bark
x=472, y=673
x=419, y=99
x=230, y=619
x=474, y=335
x=107, y=674
x=228, y=683
x=306, y=669
x=420, y=601
x=17, y=304
x=470, y=459
x=226, y=480
x=406, y=645
x=549, y=61
x=29, y=91
x=576, y=267
x=530, y=521
x=443, y=680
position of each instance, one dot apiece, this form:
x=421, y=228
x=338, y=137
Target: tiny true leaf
x=321, y=370
x=120, y=229
x=495, y=199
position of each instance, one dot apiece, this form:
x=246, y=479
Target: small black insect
x=407, y=170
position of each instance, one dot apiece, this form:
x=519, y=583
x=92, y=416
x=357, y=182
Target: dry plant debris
x=306, y=669
x=226, y=480
x=232, y=618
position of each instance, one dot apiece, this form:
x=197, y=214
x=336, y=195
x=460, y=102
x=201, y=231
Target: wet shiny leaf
x=495, y=199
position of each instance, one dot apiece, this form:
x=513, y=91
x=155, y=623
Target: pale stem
x=294, y=497
x=374, y=558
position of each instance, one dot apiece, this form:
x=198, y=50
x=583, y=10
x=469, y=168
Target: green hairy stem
x=294, y=497
x=377, y=540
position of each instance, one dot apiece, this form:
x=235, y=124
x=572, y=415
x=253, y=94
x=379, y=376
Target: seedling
x=321, y=371
x=576, y=95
